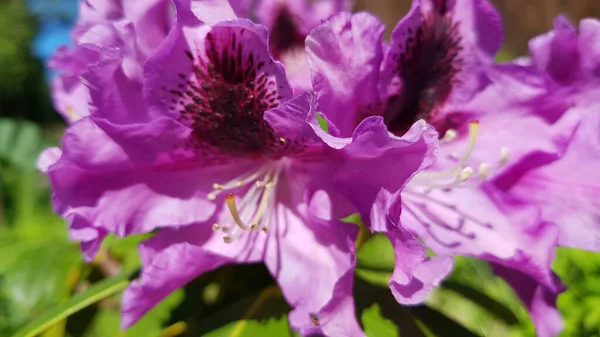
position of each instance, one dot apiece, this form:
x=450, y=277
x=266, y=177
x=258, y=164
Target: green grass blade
x=95, y=293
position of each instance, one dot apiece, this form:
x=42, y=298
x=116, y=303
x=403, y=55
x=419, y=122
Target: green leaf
x=375, y=260
x=439, y=324
x=262, y=314
x=107, y=321
x=95, y=293
x=483, y=300
x=376, y=325
x=125, y=250
x=323, y=123
x=20, y=143
x=377, y=309
x=364, y=233
x=376, y=254
x=38, y=276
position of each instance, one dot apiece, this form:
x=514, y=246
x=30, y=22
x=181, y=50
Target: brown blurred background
x=522, y=19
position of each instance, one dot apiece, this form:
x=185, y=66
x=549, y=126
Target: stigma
x=252, y=211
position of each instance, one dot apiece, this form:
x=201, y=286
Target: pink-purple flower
x=211, y=150
x=492, y=122
x=191, y=121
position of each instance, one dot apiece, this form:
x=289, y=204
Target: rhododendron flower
x=437, y=67
x=220, y=159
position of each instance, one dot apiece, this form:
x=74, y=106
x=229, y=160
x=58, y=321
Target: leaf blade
x=97, y=292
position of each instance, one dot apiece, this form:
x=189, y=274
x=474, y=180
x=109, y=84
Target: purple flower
x=437, y=67
x=568, y=189
x=106, y=31
x=228, y=167
x=288, y=22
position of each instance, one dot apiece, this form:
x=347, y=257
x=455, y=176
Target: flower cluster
x=199, y=121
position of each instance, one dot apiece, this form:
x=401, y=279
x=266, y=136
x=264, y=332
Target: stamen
x=503, y=155
x=263, y=183
x=473, y=132
x=484, y=171
x=450, y=135
x=465, y=173
x=255, y=205
x=237, y=182
x=230, y=200
x=229, y=238
x=459, y=175
x=262, y=206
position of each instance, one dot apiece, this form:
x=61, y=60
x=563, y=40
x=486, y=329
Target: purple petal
x=568, y=190
x=540, y=301
x=589, y=46
x=345, y=54
x=480, y=27
x=89, y=237
x=113, y=95
x=480, y=31
x=168, y=270
x=303, y=15
x=70, y=96
x=289, y=22
x=212, y=12
x=47, y=158
x=94, y=12
x=389, y=162
x=289, y=120
x=308, y=253
x=487, y=224
x=337, y=317
x=152, y=22
x=557, y=52
x=125, y=181
x=403, y=31
x=524, y=129
x=175, y=256
x=176, y=76
x=414, y=274
x=499, y=228
x=111, y=45
x=568, y=56
x=437, y=56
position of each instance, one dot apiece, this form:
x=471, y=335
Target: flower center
x=254, y=208
x=225, y=100
x=459, y=175
x=285, y=35
x=444, y=222
x=427, y=68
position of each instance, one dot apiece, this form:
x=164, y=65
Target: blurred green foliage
x=23, y=89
